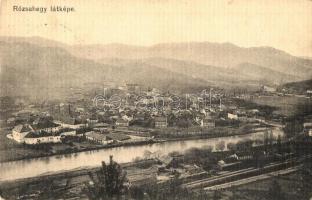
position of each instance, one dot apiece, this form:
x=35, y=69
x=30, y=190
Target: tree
x=231, y=146
x=220, y=146
x=147, y=154
x=111, y=179
x=279, y=144
x=266, y=140
x=293, y=126
x=184, y=123
x=244, y=146
x=259, y=158
x=171, y=119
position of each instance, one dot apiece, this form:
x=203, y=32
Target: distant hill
x=300, y=87
x=188, y=68
x=223, y=55
x=28, y=69
x=43, y=67
x=264, y=75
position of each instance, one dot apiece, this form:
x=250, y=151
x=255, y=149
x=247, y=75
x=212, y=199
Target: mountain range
x=40, y=67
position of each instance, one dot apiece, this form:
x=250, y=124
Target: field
x=286, y=105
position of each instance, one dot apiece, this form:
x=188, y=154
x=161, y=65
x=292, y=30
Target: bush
x=220, y=146
x=231, y=147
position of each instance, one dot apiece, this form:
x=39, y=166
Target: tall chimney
x=110, y=159
x=69, y=110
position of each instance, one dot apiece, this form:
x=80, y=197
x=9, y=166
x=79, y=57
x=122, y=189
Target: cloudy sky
x=283, y=24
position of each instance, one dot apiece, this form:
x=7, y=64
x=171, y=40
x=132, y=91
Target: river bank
x=122, y=154
x=74, y=179
x=42, y=153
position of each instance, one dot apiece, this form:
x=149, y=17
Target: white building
x=308, y=128
x=97, y=137
x=232, y=116
x=208, y=123
x=70, y=132
x=122, y=123
x=46, y=124
x=72, y=124
x=20, y=131
x=40, y=138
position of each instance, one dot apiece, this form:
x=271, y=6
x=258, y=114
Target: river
x=38, y=166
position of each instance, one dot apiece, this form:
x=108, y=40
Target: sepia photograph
x=156, y=99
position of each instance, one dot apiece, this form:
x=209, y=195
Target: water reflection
x=34, y=167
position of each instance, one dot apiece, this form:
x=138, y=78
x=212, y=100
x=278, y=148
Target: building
x=71, y=122
x=101, y=127
x=307, y=127
x=243, y=156
x=41, y=137
x=161, y=122
x=11, y=121
x=171, y=161
x=122, y=123
x=42, y=130
x=118, y=137
x=20, y=131
x=92, y=120
x=267, y=89
x=68, y=132
x=46, y=124
x=232, y=116
x=98, y=137
x=208, y=123
x=228, y=166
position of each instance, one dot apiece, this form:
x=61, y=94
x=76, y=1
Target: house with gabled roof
x=208, y=123
x=97, y=137
x=42, y=137
x=20, y=131
x=118, y=137
x=161, y=122
x=122, y=123
x=71, y=122
x=46, y=124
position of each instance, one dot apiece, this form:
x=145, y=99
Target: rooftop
x=37, y=134
x=41, y=123
x=96, y=135
x=23, y=128
x=161, y=119
x=118, y=136
x=121, y=121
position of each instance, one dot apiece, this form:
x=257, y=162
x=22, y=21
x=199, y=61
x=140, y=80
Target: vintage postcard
x=156, y=99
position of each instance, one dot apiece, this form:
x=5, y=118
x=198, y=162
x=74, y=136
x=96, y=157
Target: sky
x=282, y=24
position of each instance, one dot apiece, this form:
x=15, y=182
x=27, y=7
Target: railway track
x=244, y=174
x=252, y=179
x=189, y=184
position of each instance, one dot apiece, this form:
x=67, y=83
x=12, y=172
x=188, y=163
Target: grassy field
x=286, y=105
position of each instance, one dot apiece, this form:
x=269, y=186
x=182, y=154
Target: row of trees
x=294, y=123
